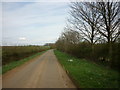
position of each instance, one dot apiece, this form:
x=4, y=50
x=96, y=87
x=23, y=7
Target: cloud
x=34, y=13
x=22, y=38
x=37, y=0
x=38, y=22
x=56, y=0
x=0, y=24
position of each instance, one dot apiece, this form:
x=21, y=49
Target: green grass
x=14, y=64
x=88, y=74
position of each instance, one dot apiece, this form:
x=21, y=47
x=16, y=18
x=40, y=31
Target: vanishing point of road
x=44, y=71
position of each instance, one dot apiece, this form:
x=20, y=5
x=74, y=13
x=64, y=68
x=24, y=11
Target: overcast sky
x=33, y=23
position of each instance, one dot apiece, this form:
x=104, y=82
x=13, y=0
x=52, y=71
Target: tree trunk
x=92, y=53
x=110, y=54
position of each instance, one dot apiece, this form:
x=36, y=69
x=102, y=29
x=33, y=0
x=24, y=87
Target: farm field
x=13, y=56
x=87, y=74
x=15, y=53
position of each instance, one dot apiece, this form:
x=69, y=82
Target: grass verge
x=14, y=64
x=88, y=74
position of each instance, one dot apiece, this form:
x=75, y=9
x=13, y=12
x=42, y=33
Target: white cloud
x=38, y=22
x=42, y=13
x=0, y=24
x=58, y=0
x=22, y=38
x=37, y=0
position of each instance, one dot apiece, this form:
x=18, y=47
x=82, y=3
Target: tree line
x=93, y=32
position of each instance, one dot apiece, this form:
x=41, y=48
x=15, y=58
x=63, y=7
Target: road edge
x=67, y=72
x=27, y=61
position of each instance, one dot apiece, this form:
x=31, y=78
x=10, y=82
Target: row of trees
x=92, y=23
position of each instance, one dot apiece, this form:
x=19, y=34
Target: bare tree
x=68, y=37
x=85, y=18
x=109, y=22
x=71, y=36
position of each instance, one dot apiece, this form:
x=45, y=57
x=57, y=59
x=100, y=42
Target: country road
x=44, y=71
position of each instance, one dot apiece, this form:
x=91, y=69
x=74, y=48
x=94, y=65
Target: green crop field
x=13, y=56
x=14, y=64
x=14, y=53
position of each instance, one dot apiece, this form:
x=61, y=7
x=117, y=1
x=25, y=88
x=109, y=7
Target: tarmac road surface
x=44, y=71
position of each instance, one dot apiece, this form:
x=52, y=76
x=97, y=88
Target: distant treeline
x=93, y=32
x=14, y=53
